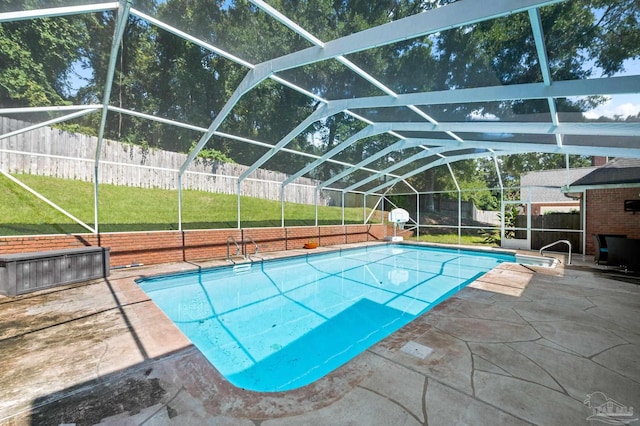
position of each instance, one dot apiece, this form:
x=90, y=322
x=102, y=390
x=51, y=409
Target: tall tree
x=162, y=74
x=36, y=60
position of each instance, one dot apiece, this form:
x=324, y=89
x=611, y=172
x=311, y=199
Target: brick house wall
x=174, y=246
x=606, y=215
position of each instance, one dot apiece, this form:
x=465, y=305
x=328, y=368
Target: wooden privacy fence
x=565, y=226
x=52, y=152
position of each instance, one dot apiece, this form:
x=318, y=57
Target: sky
x=620, y=105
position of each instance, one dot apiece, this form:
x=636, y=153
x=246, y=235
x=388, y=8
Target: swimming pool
x=282, y=324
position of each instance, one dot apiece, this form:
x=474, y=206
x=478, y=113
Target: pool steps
x=567, y=242
x=242, y=267
x=241, y=251
x=543, y=261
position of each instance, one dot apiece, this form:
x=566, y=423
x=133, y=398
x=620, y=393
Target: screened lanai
x=358, y=105
x=171, y=139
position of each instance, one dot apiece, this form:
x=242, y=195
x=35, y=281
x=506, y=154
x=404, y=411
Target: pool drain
x=416, y=349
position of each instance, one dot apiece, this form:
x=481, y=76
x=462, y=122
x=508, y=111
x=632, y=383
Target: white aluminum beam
x=490, y=146
x=372, y=130
x=118, y=33
x=210, y=47
x=274, y=13
x=426, y=26
x=27, y=110
x=290, y=151
x=156, y=119
x=250, y=81
x=255, y=79
x=353, y=67
x=358, y=117
x=120, y=25
x=579, y=150
x=366, y=132
x=533, y=128
x=495, y=163
x=439, y=162
x=225, y=135
x=398, y=146
x=298, y=89
x=191, y=38
x=451, y=16
x=317, y=42
x=431, y=120
x=22, y=15
x=538, y=35
x=559, y=89
x=321, y=112
x=48, y=123
x=365, y=75
x=46, y=200
x=394, y=166
x=546, y=148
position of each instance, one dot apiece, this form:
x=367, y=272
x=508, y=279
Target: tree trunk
x=429, y=179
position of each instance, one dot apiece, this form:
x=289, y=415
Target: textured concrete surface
x=519, y=346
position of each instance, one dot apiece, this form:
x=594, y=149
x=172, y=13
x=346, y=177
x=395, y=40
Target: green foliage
x=164, y=75
x=492, y=237
x=510, y=216
x=77, y=128
x=36, y=58
x=211, y=154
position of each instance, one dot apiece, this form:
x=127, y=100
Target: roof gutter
x=582, y=188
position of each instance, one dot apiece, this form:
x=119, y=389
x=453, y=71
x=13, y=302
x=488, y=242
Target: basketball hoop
x=399, y=217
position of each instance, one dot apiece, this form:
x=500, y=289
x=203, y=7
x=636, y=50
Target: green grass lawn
x=472, y=240
x=124, y=208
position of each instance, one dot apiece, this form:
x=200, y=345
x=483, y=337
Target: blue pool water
x=279, y=325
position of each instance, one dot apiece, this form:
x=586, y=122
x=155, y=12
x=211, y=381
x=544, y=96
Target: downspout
x=495, y=162
x=343, y=208
x=179, y=202
x=238, y=195
x=282, y=206
x=417, y=216
x=317, y=195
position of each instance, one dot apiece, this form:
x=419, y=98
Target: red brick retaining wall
x=175, y=246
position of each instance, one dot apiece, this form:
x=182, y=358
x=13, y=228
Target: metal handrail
x=567, y=242
x=230, y=239
x=244, y=244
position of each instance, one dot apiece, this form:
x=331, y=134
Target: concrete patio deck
x=521, y=345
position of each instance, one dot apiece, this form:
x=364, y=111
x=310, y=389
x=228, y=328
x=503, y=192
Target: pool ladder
x=567, y=242
x=245, y=253
x=231, y=239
